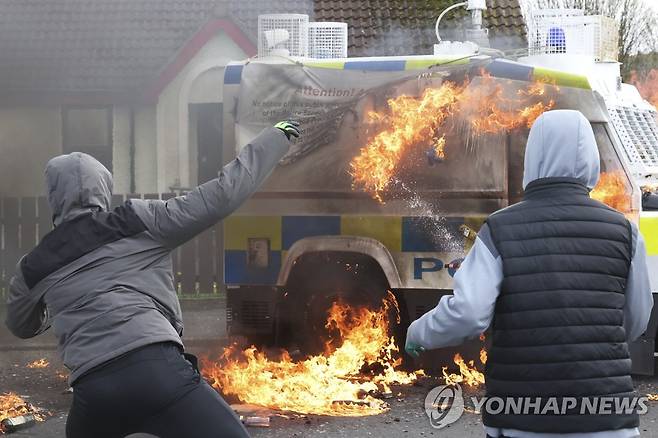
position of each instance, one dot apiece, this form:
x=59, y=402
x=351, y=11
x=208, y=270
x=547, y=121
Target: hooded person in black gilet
x=562, y=281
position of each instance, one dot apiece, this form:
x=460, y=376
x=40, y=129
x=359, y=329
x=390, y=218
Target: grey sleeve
x=470, y=309
x=639, y=300
x=27, y=315
x=175, y=221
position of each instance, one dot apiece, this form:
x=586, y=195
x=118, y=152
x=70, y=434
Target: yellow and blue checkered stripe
x=397, y=233
x=498, y=68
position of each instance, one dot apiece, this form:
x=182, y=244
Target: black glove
x=289, y=127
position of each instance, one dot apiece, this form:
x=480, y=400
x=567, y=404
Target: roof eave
x=191, y=48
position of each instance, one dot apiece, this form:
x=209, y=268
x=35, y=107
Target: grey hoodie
x=103, y=279
x=560, y=144
x=77, y=184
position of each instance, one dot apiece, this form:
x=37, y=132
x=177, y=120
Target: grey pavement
x=404, y=419
x=205, y=334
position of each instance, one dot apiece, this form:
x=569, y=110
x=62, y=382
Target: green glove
x=413, y=350
x=289, y=127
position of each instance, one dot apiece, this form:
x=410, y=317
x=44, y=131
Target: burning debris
x=347, y=380
x=468, y=373
x=414, y=121
x=611, y=190
x=39, y=364
x=16, y=413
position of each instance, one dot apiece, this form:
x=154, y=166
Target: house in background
x=138, y=83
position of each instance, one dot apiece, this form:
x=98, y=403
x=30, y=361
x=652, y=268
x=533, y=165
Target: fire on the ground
x=13, y=406
x=39, y=364
x=332, y=383
x=468, y=372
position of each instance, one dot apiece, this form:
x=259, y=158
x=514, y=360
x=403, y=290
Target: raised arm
x=177, y=220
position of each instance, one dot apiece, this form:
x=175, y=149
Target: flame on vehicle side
x=612, y=191
x=409, y=122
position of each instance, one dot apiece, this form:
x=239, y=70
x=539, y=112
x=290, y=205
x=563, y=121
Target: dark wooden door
x=209, y=139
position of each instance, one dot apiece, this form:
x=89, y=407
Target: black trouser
x=152, y=390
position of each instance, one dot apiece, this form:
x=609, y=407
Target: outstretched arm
x=469, y=311
x=177, y=220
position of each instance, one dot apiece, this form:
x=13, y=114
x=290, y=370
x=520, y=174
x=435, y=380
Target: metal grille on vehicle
x=638, y=132
x=255, y=314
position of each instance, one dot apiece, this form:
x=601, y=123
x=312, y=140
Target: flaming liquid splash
x=411, y=122
x=332, y=383
x=11, y=405
x=611, y=190
x=647, y=86
x=39, y=364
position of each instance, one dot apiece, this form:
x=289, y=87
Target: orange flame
x=330, y=383
x=468, y=373
x=647, y=86
x=611, y=190
x=415, y=121
x=410, y=121
x=11, y=405
x=38, y=364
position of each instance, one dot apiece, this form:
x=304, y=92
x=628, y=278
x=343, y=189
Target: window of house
x=88, y=130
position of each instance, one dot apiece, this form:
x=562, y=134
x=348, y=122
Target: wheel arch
x=355, y=244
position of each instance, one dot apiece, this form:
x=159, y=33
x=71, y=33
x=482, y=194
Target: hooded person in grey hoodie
x=103, y=280
x=562, y=282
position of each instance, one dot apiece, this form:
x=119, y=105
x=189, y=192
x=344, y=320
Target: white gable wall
x=200, y=81
x=165, y=146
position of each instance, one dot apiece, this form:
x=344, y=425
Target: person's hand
x=413, y=350
x=289, y=127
